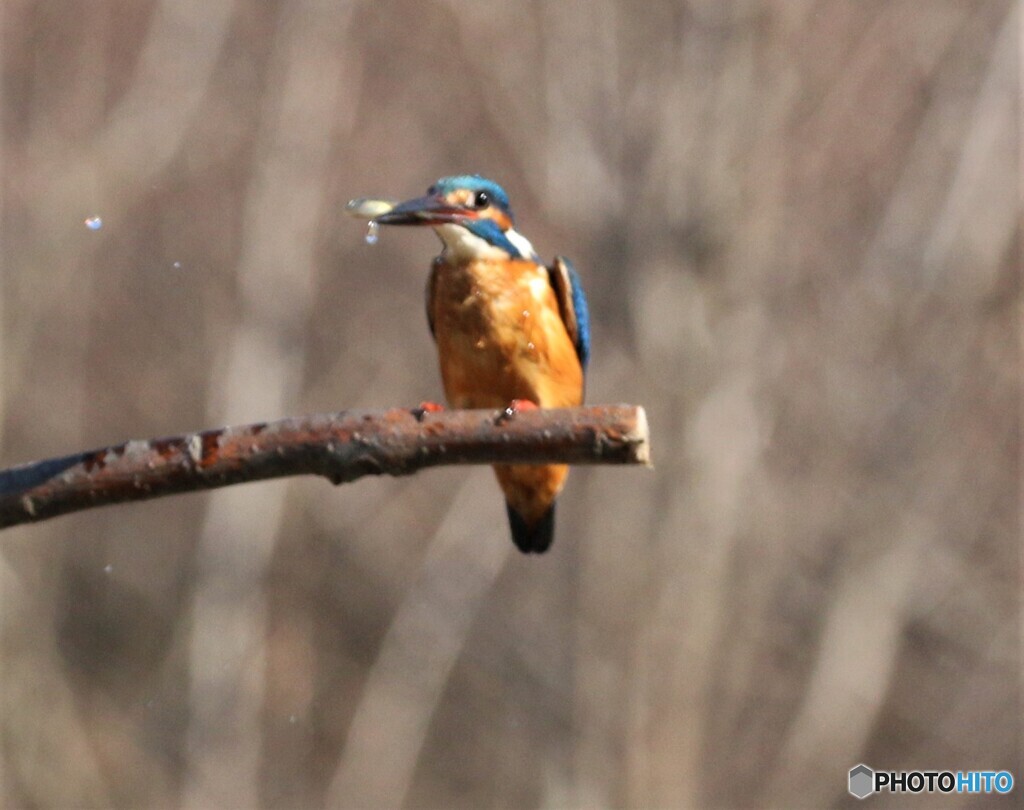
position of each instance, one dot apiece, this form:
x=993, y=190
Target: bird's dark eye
x=481, y=199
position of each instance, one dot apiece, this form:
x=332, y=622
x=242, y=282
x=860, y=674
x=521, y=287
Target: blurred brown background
x=798, y=225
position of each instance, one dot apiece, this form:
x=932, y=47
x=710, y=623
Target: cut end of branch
x=641, y=439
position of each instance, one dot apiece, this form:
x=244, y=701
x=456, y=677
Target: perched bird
x=510, y=331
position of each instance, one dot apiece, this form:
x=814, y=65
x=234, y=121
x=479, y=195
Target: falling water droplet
x=177, y=265
x=108, y=569
x=93, y=223
x=372, y=232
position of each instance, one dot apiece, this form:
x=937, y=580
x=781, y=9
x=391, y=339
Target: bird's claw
x=514, y=407
x=424, y=408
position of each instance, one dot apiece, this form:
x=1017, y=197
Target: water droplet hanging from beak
x=372, y=232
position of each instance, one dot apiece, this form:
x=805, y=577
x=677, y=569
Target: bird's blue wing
x=572, y=305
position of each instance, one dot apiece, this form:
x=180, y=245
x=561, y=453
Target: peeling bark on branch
x=342, y=447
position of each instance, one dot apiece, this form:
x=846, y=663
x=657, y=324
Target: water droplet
x=292, y=718
x=526, y=313
x=93, y=223
x=108, y=569
x=480, y=343
x=372, y=232
x=531, y=347
x=176, y=265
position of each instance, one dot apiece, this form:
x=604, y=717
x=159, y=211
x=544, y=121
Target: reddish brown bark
x=342, y=447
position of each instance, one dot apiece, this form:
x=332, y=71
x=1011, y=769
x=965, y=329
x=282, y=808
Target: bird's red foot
x=514, y=407
x=424, y=408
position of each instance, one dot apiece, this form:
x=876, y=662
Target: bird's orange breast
x=500, y=336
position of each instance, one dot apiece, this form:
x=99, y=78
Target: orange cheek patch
x=465, y=197
x=499, y=216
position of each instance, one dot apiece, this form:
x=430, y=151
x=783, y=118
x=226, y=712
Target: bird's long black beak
x=429, y=210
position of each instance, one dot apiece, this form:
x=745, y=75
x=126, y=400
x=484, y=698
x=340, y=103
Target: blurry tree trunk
x=255, y=376
x=78, y=163
x=411, y=670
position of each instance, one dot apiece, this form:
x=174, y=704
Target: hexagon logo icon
x=862, y=781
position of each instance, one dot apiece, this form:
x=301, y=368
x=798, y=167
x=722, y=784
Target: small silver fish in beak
x=365, y=208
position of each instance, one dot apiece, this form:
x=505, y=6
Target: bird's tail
x=535, y=537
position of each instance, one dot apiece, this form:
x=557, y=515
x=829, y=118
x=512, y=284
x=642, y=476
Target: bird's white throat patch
x=461, y=244
x=520, y=242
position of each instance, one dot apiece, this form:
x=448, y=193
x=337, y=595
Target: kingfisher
x=510, y=331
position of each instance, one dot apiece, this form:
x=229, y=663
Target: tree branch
x=341, y=447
